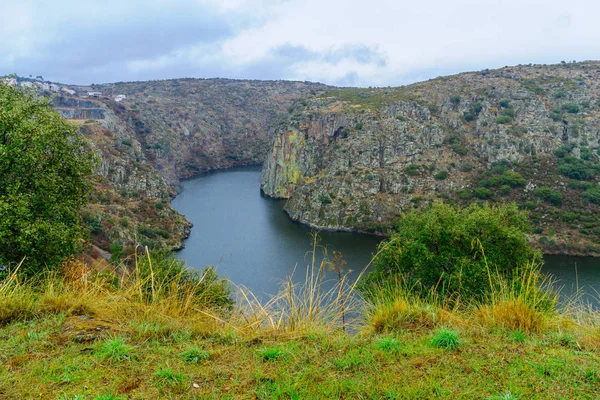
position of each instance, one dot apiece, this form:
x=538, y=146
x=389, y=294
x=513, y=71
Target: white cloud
x=401, y=41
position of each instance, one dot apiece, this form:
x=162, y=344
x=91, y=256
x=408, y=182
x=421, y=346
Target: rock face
x=356, y=159
x=161, y=132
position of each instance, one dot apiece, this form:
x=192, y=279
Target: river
x=253, y=243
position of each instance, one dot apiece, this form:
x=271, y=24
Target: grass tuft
x=194, y=355
x=388, y=344
x=445, y=339
x=114, y=350
x=519, y=303
x=272, y=353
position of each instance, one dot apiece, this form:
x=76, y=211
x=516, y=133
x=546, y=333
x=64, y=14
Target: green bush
x=571, y=108
x=512, y=179
x=592, y=195
x=441, y=175
x=460, y=149
x=44, y=171
x=504, y=119
x=466, y=167
x=482, y=193
x=551, y=196
x=555, y=115
x=504, y=190
x=324, y=198
x=439, y=248
x=576, y=168
x=412, y=169
x=465, y=194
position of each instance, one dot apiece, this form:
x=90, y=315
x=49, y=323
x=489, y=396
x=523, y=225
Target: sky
x=337, y=42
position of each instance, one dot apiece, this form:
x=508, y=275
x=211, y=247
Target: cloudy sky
x=339, y=42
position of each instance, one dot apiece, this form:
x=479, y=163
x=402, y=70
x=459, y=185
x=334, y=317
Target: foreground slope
x=357, y=159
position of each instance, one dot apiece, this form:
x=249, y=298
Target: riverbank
x=162, y=333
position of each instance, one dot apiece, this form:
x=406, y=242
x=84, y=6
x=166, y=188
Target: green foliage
x=114, y=350
x=445, y=339
x=412, y=169
x=455, y=99
x=460, y=149
x=576, y=168
x=504, y=190
x=388, y=344
x=512, y=179
x=167, y=377
x=555, y=115
x=271, y=353
x=466, y=167
x=116, y=252
x=44, y=170
x=504, y=119
x=164, y=275
x=324, y=198
x=441, y=175
x=194, y=355
x=551, y=196
x=592, y=195
x=440, y=248
x=482, y=193
x=571, y=108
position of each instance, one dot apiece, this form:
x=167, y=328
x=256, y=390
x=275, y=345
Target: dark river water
x=253, y=243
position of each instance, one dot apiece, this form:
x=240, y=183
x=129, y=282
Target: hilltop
x=358, y=159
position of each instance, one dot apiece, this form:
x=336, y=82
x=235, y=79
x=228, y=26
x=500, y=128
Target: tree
x=44, y=171
x=453, y=249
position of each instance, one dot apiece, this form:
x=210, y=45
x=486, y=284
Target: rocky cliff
x=159, y=132
x=356, y=159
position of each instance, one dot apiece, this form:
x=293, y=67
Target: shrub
x=45, y=166
x=592, y=195
x=504, y=119
x=571, y=108
x=555, y=115
x=512, y=179
x=464, y=194
x=412, y=169
x=455, y=100
x=551, y=196
x=441, y=175
x=437, y=248
x=482, y=193
x=504, y=190
x=578, y=169
x=324, y=198
x=466, y=167
x=460, y=149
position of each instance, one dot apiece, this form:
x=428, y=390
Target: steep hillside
x=152, y=134
x=356, y=159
